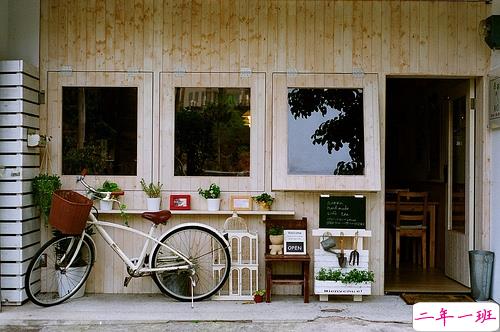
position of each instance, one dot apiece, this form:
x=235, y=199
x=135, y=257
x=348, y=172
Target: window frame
x=256, y=82
x=143, y=81
x=371, y=179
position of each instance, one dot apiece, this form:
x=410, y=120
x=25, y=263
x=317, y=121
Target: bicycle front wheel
x=205, y=249
x=49, y=280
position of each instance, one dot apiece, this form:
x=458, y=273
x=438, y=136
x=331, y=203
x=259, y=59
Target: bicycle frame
x=137, y=268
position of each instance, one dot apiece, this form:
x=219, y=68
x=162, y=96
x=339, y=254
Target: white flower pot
x=106, y=205
x=213, y=204
x=62, y=282
x=276, y=239
x=153, y=203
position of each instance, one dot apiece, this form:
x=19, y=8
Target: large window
x=212, y=131
x=325, y=132
x=325, y=126
x=99, y=130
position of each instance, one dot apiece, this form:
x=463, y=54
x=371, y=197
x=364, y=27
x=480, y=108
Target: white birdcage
x=244, y=276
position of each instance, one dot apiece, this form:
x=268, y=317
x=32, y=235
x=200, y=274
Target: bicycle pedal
x=126, y=281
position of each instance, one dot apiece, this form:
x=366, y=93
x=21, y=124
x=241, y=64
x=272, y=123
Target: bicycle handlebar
x=98, y=194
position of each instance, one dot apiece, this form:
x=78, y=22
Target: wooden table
x=431, y=208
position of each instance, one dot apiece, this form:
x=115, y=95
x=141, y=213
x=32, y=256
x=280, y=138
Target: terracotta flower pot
x=258, y=298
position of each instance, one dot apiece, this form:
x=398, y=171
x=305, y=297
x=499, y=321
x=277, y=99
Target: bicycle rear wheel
x=205, y=249
x=49, y=281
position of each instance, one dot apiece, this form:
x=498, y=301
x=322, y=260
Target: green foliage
x=276, y=230
x=346, y=128
x=212, y=192
x=265, y=198
x=108, y=186
x=260, y=292
x=43, y=187
x=354, y=276
x=151, y=189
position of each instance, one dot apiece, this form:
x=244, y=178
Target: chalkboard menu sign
x=342, y=212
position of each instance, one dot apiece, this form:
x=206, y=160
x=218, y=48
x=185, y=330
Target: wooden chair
x=273, y=260
x=411, y=221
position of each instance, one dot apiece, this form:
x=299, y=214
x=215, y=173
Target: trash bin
x=481, y=270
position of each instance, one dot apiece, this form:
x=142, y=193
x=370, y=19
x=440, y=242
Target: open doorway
x=429, y=143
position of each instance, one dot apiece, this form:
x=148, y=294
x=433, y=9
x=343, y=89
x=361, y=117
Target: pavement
x=155, y=312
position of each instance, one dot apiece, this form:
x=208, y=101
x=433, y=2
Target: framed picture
x=241, y=203
x=180, y=202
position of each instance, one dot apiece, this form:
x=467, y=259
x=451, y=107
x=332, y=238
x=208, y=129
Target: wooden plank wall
x=383, y=37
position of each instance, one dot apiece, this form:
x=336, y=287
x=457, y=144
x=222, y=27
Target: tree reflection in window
x=99, y=130
x=332, y=119
x=212, y=132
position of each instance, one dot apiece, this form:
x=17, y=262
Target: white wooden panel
x=18, y=106
x=19, y=227
x=18, y=254
x=19, y=93
x=11, y=282
x=17, y=147
x=13, y=268
x=18, y=214
x=324, y=259
x=338, y=288
x=19, y=241
x=18, y=200
x=13, y=296
x=13, y=133
x=19, y=79
x=18, y=173
x=15, y=66
x=19, y=120
x=19, y=160
x=12, y=187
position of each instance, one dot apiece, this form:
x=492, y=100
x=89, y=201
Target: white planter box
x=338, y=288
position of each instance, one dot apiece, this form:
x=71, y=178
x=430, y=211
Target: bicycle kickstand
x=193, y=284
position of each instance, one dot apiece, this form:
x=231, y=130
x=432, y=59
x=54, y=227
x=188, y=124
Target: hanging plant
x=43, y=186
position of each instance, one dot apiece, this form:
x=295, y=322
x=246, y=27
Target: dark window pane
x=325, y=132
x=100, y=130
x=212, y=131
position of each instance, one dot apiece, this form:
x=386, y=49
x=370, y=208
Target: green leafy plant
x=354, y=276
x=108, y=186
x=212, y=192
x=275, y=230
x=259, y=292
x=43, y=187
x=264, y=198
x=151, y=189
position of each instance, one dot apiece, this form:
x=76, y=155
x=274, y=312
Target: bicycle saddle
x=160, y=217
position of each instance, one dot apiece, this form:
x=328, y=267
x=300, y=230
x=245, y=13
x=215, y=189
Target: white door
x=460, y=185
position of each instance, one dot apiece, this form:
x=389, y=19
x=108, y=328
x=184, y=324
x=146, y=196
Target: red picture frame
x=180, y=202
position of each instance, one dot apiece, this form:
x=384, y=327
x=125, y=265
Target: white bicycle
x=190, y=262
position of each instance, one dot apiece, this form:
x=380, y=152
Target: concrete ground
x=155, y=312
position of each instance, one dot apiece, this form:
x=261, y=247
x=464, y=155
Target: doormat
x=412, y=298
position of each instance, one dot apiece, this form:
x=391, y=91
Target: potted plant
x=153, y=191
x=264, y=201
x=112, y=187
x=258, y=295
x=276, y=235
x=334, y=281
x=43, y=187
x=212, y=195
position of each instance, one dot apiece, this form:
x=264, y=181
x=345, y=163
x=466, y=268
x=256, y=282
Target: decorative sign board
x=342, y=212
x=295, y=241
x=495, y=102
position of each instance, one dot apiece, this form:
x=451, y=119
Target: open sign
x=295, y=242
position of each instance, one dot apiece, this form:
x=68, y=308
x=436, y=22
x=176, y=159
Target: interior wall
x=383, y=37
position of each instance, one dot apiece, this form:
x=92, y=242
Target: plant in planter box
x=43, y=187
x=153, y=191
x=212, y=195
x=356, y=276
x=354, y=282
x=264, y=200
x=258, y=295
x=109, y=187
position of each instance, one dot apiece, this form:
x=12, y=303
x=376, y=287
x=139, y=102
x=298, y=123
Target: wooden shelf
x=205, y=212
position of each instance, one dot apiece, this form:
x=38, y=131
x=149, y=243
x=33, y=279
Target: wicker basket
x=69, y=211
